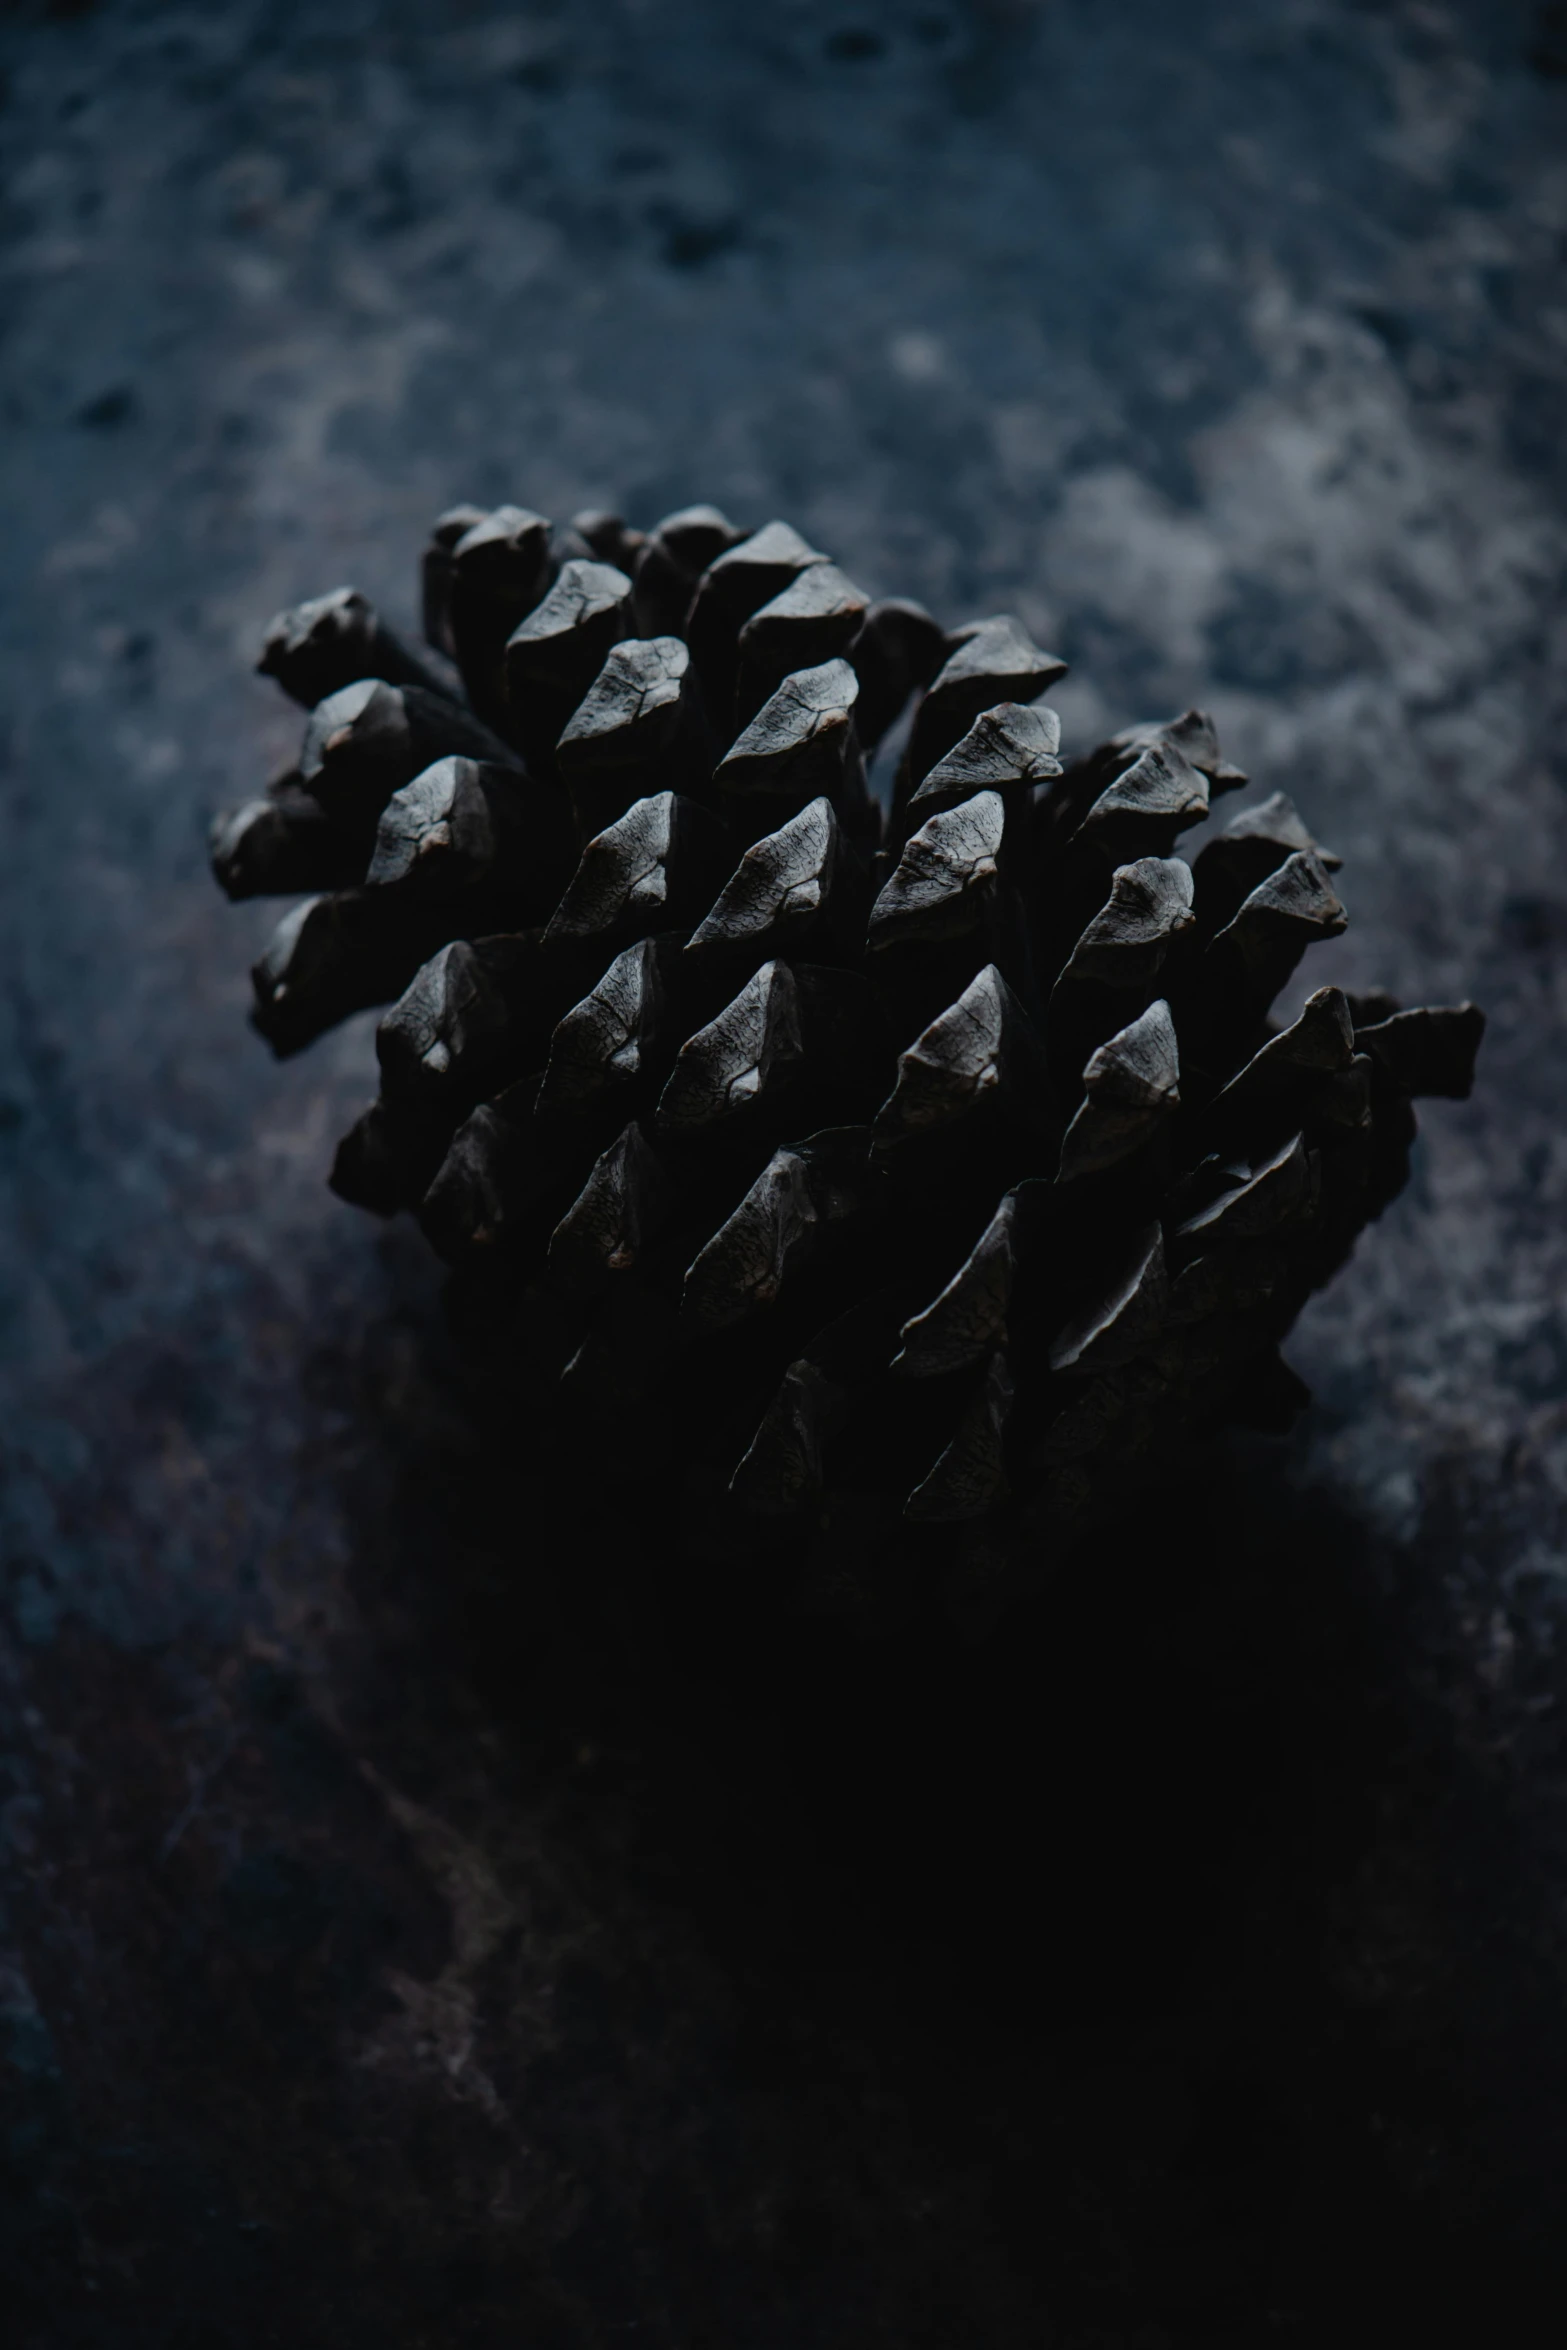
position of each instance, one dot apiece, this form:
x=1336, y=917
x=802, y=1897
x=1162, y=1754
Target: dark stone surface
x=413, y=1932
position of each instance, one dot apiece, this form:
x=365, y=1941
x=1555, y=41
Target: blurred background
x=398, y=1947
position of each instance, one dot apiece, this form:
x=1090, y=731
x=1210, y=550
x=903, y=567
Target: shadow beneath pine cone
x=1151, y=1971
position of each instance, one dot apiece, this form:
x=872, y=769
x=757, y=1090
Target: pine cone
x=941, y=1167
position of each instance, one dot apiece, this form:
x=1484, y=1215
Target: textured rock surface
x=409, y=1938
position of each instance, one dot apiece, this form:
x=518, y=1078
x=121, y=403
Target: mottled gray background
x=401, y=1948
